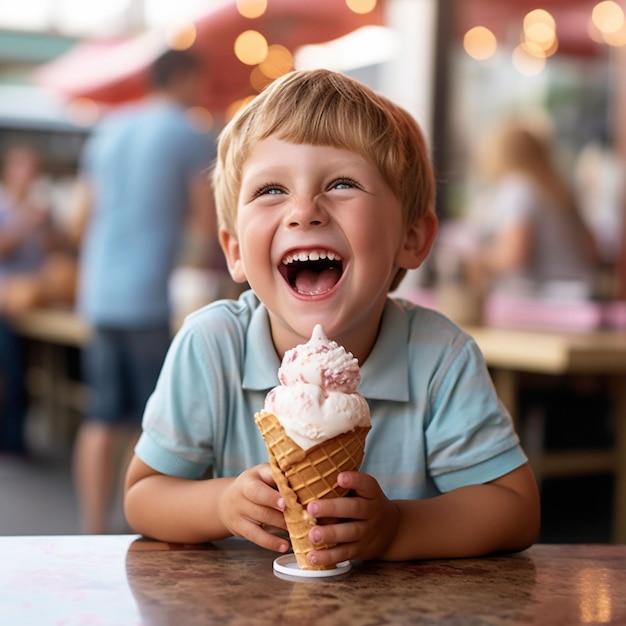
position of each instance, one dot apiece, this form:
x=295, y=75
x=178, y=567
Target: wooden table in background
x=56, y=326
x=52, y=334
x=509, y=353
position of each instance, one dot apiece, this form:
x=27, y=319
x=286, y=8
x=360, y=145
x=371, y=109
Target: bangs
x=315, y=112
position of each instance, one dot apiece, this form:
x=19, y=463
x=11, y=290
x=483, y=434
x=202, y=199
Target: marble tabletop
x=125, y=580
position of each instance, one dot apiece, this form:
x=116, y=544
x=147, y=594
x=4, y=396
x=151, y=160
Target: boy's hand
x=368, y=522
x=250, y=504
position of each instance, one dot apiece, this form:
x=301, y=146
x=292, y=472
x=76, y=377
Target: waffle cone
x=305, y=475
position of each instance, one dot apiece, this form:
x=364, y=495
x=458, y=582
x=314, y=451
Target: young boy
x=325, y=198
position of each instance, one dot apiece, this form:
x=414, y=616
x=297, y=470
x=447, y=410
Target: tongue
x=313, y=283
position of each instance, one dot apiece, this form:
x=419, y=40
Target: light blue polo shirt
x=437, y=423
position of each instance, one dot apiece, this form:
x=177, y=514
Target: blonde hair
x=321, y=107
x=516, y=147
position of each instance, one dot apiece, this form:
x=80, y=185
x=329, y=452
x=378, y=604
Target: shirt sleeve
x=470, y=437
x=177, y=437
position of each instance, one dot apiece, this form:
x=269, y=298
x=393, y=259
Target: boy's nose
x=306, y=212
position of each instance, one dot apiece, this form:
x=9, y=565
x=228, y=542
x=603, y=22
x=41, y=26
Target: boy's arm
x=179, y=510
x=81, y=211
x=500, y=516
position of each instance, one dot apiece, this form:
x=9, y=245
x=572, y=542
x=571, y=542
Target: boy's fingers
x=265, y=516
x=332, y=556
x=265, y=474
x=334, y=534
x=337, y=508
x=257, y=534
x=362, y=484
x=265, y=494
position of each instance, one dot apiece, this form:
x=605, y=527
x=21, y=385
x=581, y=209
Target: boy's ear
x=230, y=246
x=418, y=241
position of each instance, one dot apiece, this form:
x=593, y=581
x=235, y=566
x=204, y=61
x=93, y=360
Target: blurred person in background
x=533, y=243
x=144, y=177
x=37, y=268
x=528, y=233
x=25, y=219
x=601, y=189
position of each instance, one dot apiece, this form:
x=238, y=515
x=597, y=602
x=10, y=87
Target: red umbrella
x=115, y=71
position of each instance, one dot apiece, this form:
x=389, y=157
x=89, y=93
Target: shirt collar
x=261, y=362
x=384, y=375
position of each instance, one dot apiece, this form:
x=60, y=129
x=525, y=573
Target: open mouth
x=312, y=272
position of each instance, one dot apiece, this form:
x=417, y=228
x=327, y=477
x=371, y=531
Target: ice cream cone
x=305, y=475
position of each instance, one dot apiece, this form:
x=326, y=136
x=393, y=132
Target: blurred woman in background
x=530, y=233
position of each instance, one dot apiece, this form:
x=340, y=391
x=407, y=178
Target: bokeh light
x=539, y=37
x=480, y=43
x=251, y=8
x=608, y=17
x=527, y=64
x=279, y=61
x=251, y=47
x=539, y=17
x=258, y=80
x=539, y=49
x=617, y=38
x=200, y=118
x=233, y=107
x=181, y=37
x=361, y=6
x=539, y=33
x=540, y=46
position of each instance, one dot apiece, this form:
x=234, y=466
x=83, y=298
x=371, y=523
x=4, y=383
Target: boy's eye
x=344, y=183
x=269, y=190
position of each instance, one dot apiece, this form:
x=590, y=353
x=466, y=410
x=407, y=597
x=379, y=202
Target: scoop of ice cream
x=317, y=398
x=321, y=362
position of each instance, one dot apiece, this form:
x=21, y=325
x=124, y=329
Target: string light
x=539, y=17
x=181, y=37
x=527, y=64
x=258, y=80
x=361, y=6
x=539, y=34
x=480, y=43
x=617, y=38
x=251, y=47
x=608, y=17
x=279, y=61
x=251, y=8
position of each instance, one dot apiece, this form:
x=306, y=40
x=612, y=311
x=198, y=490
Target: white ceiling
x=95, y=18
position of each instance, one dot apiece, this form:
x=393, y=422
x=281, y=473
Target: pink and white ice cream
x=317, y=398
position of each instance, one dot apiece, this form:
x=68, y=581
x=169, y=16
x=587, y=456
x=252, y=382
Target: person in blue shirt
x=320, y=168
x=144, y=179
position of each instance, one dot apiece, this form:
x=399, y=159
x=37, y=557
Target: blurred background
x=459, y=66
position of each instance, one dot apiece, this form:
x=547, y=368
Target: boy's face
x=320, y=236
